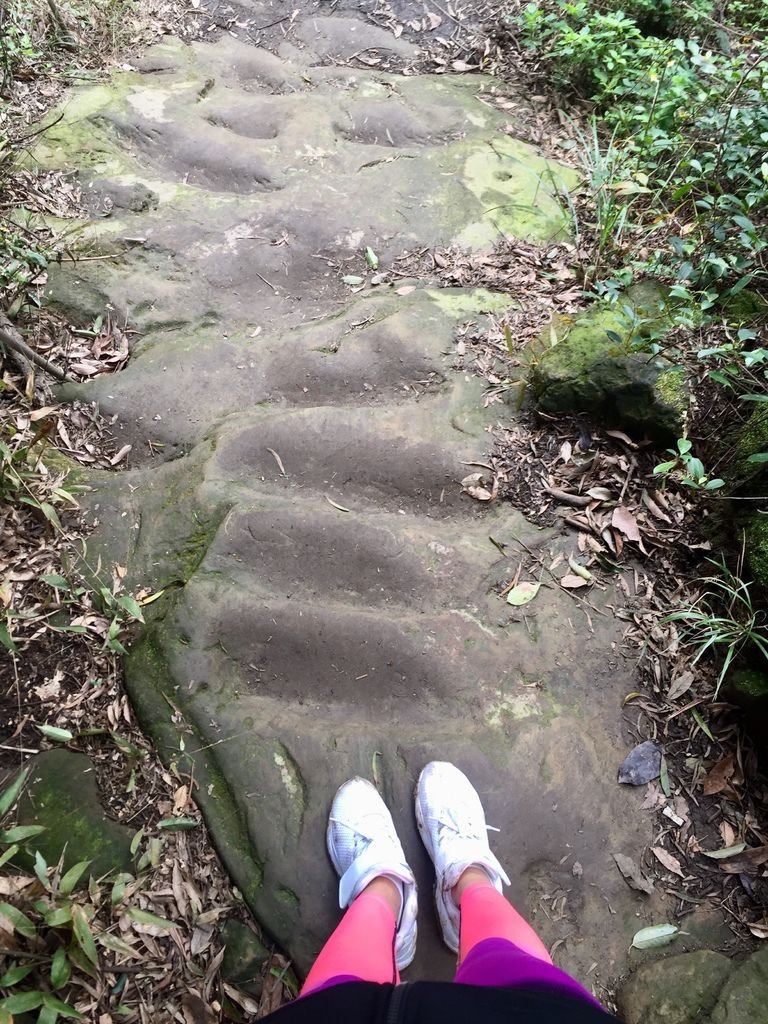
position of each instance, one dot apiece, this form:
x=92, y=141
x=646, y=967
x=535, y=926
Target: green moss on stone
x=748, y=439
x=62, y=796
x=598, y=366
x=458, y=302
x=749, y=683
x=245, y=956
x=757, y=549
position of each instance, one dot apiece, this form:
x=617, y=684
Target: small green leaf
x=665, y=467
x=758, y=457
x=21, y=923
x=47, y=1016
x=371, y=258
x=352, y=279
x=58, y=916
x=131, y=605
x=9, y=854
x=72, y=877
x=655, y=936
x=727, y=851
x=145, y=917
x=41, y=869
x=22, y=1002
x=664, y=777
x=178, y=824
x=56, y=581
x=51, y=732
x=702, y=724
x=19, y=833
x=50, y=514
x=64, y=1009
x=60, y=969
x=684, y=445
x=136, y=841
x=10, y=795
x=6, y=639
x=15, y=974
x=522, y=593
x=83, y=935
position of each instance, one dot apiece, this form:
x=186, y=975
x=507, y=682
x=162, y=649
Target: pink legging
x=496, y=947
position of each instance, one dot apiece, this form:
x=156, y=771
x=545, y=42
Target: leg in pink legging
x=362, y=948
x=499, y=948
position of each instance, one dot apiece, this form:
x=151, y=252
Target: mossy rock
x=62, y=795
x=747, y=439
x=244, y=957
x=747, y=688
x=676, y=990
x=744, y=997
x=756, y=548
x=596, y=367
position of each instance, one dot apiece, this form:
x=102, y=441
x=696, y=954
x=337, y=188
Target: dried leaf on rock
x=654, y=937
x=632, y=874
x=476, y=486
x=523, y=593
x=719, y=778
x=670, y=862
x=623, y=519
x=571, y=582
x=747, y=862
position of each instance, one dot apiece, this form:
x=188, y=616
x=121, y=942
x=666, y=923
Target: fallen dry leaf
x=632, y=874
x=746, y=863
x=680, y=685
x=719, y=778
x=623, y=520
x=573, y=582
x=670, y=862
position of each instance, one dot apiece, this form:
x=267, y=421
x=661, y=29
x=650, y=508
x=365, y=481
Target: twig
x=10, y=336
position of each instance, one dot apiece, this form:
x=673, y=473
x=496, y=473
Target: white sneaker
x=363, y=844
x=452, y=824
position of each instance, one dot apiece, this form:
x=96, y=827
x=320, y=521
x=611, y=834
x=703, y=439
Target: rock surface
x=61, y=794
x=330, y=598
x=702, y=987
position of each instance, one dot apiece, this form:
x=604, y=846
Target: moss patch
x=597, y=366
x=757, y=549
x=62, y=795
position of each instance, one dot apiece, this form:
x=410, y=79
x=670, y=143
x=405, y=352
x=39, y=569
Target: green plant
x=687, y=469
x=57, y=926
x=723, y=619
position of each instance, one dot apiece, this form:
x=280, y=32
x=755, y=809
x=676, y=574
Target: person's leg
x=497, y=947
x=485, y=913
x=362, y=948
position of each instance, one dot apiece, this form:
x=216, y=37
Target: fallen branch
x=10, y=337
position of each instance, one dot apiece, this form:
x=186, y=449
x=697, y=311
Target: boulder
x=744, y=996
x=703, y=987
x=676, y=990
x=244, y=956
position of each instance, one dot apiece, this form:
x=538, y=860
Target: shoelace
x=357, y=835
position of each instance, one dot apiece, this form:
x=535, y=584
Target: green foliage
x=680, y=140
x=723, y=620
x=687, y=469
x=50, y=936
